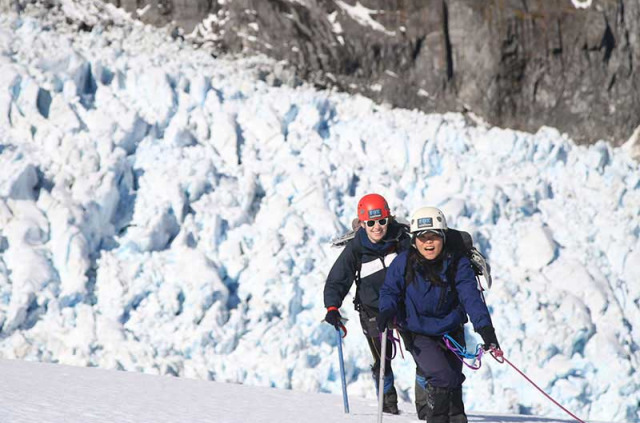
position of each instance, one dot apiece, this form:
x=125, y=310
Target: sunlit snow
x=63, y=394
x=582, y=4
x=362, y=15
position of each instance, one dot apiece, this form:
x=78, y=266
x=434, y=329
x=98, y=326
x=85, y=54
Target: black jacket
x=369, y=263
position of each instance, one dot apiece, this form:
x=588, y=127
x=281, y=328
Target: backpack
x=342, y=240
x=461, y=244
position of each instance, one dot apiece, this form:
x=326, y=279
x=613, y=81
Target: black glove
x=383, y=319
x=488, y=335
x=333, y=317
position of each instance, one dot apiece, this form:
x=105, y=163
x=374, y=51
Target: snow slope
x=63, y=394
x=166, y=212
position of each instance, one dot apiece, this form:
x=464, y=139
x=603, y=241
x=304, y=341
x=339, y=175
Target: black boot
x=390, y=396
x=421, y=397
x=456, y=407
x=437, y=404
x=390, y=401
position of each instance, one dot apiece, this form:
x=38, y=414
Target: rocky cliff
x=515, y=63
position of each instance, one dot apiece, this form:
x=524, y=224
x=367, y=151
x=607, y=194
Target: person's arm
x=391, y=291
x=340, y=278
x=473, y=302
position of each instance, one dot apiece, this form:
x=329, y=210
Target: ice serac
x=570, y=65
x=536, y=247
x=29, y=269
x=18, y=179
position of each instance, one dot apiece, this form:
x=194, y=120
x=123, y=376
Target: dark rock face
x=516, y=63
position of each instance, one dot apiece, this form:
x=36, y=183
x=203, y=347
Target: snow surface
x=362, y=15
x=166, y=212
x=582, y=4
x=64, y=394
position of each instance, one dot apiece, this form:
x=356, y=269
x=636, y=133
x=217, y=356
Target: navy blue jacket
x=423, y=310
x=361, y=256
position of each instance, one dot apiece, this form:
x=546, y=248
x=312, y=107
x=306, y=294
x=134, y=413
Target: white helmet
x=428, y=219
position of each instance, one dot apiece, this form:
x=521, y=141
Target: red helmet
x=373, y=207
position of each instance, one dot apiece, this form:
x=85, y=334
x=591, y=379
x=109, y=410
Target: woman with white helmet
x=429, y=291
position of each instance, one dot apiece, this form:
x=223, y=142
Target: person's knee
x=446, y=378
x=421, y=381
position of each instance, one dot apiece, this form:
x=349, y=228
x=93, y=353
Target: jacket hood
x=395, y=233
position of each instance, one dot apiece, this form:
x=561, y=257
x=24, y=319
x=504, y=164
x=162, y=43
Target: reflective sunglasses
x=372, y=223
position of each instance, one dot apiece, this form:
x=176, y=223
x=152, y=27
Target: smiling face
x=429, y=245
x=376, y=232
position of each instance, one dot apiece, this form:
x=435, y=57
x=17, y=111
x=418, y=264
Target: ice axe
x=342, y=376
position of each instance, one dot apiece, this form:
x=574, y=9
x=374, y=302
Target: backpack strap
x=404, y=284
x=357, y=305
x=450, y=274
x=341, y=241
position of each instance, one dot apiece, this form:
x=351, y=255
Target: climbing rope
x=500, y=358
x=394, y=348
x=393, y=340
x=462, y=353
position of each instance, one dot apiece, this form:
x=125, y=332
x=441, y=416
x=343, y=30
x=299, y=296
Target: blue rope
x=462, y=351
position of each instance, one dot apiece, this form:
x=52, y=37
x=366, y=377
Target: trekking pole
x=342, y=376
x=383, y=361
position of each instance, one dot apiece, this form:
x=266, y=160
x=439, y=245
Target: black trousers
x=440, y=367
x=370, y=330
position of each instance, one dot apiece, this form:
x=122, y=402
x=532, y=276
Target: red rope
x=498, y=355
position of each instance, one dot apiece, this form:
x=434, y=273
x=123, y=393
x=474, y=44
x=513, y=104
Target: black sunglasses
x=371, y=223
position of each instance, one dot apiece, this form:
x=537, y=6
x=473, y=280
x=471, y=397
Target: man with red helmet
x=364, y=260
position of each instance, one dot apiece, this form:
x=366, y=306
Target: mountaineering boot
x=437, y=404
x=421, y=396
x=390, y=401
x=456, y=407
x=389, y=394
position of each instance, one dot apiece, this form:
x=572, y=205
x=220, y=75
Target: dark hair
x=428, y=269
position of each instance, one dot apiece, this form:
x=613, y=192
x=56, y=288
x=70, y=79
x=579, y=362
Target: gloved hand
x=383, y=319
x=333, y=317
x=488, y=335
